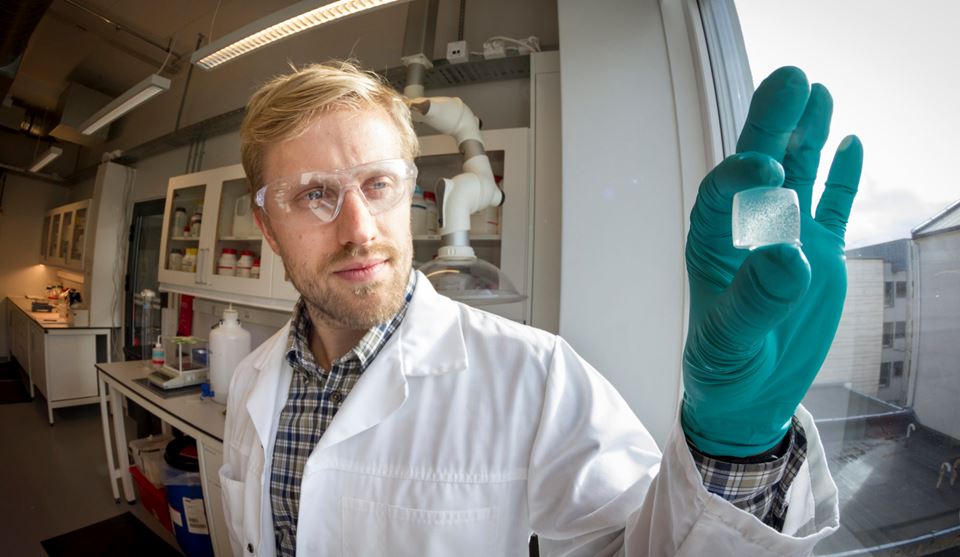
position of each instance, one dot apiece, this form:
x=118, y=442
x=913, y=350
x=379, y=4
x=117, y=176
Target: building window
x=888, y=293
x=888, y=334
x=898, y=369
x=901, y=289
x=885, y=374
x=900, y=331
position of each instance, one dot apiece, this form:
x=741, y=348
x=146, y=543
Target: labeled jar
x=175, y=260
x=430, y=201
x=189, y=261
x=227, y=265
x=179, y=220
x=418, y=213
x=255, y=269
x=195, y=220
x=245, y=263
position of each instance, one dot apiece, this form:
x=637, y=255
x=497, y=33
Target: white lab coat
x=469, y=432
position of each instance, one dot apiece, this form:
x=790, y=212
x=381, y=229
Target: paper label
x=175, y=517
x=196, y=519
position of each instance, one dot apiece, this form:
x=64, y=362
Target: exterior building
x=896, y=347
x=935, y=387
x=855, y=355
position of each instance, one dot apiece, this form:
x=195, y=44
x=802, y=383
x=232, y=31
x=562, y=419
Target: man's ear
x=263, y=223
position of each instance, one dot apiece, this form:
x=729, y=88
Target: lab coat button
x=249, y=548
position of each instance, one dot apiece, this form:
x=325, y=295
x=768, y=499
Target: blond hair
x=284, y=107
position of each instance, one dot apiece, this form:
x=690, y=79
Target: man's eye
x=377, y=187
x=316, y=194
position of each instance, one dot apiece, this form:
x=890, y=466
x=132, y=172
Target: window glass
x=901, y=289
x=892, y=374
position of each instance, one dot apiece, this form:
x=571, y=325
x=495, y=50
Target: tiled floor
x=53, y=479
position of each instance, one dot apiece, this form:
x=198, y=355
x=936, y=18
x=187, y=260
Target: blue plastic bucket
x=185, y=497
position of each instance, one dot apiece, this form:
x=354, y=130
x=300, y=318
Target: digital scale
x=186, y=367
x=169, y=378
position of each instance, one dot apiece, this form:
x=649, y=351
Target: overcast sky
x=893, y=69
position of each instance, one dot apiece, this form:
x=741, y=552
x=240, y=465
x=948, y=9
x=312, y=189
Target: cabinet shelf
x=185, y=238
x=256, y=238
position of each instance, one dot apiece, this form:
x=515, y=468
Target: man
x=385, y=419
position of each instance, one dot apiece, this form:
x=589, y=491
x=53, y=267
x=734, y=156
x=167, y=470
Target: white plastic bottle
x=229, y=343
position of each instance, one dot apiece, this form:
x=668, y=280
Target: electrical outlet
x=494, y=49
x=457, y=52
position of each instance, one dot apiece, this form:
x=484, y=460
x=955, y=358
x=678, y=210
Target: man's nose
x=355, y=224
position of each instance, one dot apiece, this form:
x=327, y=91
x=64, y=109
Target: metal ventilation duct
x=17, y=23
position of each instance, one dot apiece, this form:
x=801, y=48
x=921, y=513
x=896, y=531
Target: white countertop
x=202, y=414
x=47, y=320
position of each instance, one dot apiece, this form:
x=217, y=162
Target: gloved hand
x=761, y=322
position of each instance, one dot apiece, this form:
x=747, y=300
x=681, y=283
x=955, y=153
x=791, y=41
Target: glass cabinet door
x=184, y=223
x=78, y=237
x=45, y=237
x=65, y=236
x=238, y=242
x=54, y=237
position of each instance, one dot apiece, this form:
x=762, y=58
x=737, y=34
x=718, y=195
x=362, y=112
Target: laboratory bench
x=196, y=416
x=57, y=356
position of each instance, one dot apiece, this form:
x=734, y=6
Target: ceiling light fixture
x=138, y=94
x=45, y=159
x=280, y=25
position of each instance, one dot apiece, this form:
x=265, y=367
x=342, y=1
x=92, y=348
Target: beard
x=358, y=308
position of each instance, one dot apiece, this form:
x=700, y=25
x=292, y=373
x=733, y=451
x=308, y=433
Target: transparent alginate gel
x=764, y=216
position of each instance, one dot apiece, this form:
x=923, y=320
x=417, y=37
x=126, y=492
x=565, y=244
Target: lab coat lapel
x=429, y=341
x=273, y=379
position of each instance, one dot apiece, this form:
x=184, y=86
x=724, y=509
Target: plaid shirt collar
x=298, y=342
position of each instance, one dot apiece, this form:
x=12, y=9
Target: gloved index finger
x=775, y=109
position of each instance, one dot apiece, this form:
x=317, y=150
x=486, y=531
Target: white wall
x=937, y=387
x=24, y=203
x=854, y=356
x=634, y=148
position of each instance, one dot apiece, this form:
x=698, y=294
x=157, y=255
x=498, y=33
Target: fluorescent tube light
x=138, y=94
x=45, y=159
x=280, y=25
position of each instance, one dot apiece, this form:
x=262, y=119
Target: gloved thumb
x=764, y=291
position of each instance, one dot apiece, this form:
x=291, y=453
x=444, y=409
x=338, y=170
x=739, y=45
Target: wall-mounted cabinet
x=211, y=246
x=63, y=241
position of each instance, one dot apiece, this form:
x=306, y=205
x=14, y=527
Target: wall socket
x=457, y=52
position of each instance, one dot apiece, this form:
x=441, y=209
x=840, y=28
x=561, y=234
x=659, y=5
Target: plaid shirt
x=757, y=485
x=314, y=398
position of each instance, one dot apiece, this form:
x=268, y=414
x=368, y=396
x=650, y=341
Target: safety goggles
x=315, y=197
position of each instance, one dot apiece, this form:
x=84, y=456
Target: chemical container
x=185, y=497
x=229, y=343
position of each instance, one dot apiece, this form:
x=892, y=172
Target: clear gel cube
x=764, y=216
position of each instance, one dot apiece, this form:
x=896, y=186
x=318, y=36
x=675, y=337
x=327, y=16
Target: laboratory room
x=478, y=278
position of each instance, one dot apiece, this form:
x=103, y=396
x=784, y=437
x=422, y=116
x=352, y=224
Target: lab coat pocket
x=371, y=528
x=232, y=497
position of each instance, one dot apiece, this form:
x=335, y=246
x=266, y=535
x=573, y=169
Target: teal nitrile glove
x=761, y=322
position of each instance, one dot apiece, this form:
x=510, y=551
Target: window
x=887, y=334
x=888, y=294
x=885, y=374
x=901, y=289
x=901, y=245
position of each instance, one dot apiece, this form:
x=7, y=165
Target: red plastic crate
x=153, y=498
